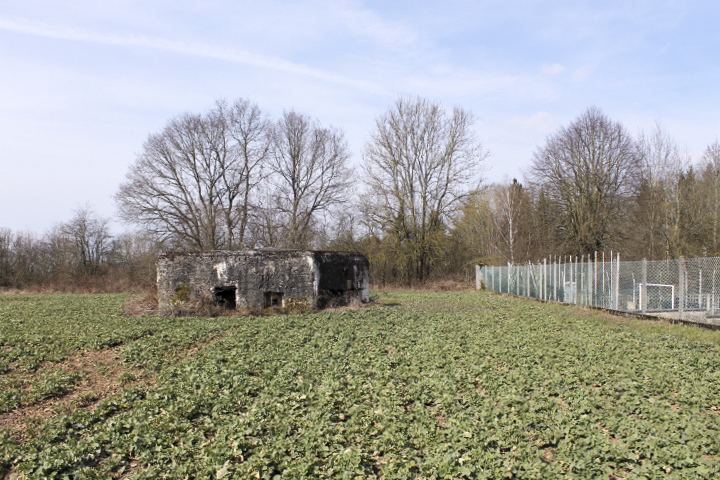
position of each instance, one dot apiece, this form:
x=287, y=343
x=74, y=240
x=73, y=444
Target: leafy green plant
x=54, y=384
x=87, y=398
x=126, y=378
x=10, y=398
x=442, y=385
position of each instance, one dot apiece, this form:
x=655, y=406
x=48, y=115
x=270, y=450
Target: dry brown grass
x=146, y=304
x=141, y=304
x=436, y=285
x=23, y=291
x=111, y=280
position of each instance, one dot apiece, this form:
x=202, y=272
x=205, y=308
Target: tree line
x=594, y=188
x=80, y=254
x=415, y=205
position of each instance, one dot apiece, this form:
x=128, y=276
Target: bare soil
x=100, y=371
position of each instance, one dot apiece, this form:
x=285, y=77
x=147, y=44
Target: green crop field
x=425, y=385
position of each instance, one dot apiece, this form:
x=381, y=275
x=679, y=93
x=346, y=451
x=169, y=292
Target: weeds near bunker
x=182, y=294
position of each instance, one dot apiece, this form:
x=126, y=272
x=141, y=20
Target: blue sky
x=83, y=84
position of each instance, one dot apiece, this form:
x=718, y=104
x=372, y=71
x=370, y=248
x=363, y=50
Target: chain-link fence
x=685, y=289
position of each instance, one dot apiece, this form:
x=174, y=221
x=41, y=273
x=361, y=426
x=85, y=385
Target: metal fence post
x=616, y=302
x=699, y=289
x=611, y=279
x=595, y=281
x=508, y=272
x=589, y=282
x=643, y=286
x=567, y=280
x=681, y=288
x=507, y=279
x=556, y=278
x=527, y=280
x=517, y=279
x=712, y=309
x=604, y=295
x=478, y=277
x=577, y=283
x=582, y=279
x=565, y=274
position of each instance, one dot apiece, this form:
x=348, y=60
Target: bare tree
x=267, y=227
x=23, y=259
x=512, y=219
x=250, y=132
x=87, y=240
x=309, y=173
x=133, y=260
x=710, y=168
x=6, y=256
x=193, y=182
x=657, y=218
x=475, y=232
x=419, y=164
x=589, y=168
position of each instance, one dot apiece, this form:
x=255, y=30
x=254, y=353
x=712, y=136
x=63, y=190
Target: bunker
x=263, y=278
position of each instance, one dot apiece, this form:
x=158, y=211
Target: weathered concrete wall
x=261, y=278
x=343, y=275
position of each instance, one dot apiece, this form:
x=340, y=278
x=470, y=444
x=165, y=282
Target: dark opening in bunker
x=225, y=297
x=273, y=299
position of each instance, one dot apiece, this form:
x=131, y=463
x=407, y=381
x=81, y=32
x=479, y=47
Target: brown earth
x=101, y=372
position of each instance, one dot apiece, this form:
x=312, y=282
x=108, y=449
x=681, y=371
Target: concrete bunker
x=263, y=278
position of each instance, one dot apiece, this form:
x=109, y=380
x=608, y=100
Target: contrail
x=184, y=48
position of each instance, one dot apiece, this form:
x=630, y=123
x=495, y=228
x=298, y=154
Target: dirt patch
x=355, y=306
x=130, y=469
x=140, y=305
x=437, y=285
x=103, y=374
x=548, y=455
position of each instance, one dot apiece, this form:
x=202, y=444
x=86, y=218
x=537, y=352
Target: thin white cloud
x=582, y=74
x=541, y=123
x=554, y=69
x=184, y=48
x=371, y=25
